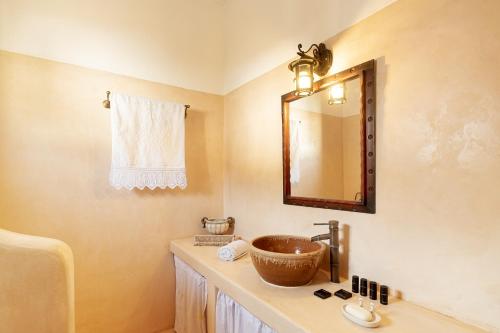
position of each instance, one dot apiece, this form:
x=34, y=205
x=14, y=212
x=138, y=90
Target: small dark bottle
x=364, y=287
x=373, y=290
x=384, y=295
x=355, y=284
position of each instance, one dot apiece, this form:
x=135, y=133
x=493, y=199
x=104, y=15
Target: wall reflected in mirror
x=325, y=144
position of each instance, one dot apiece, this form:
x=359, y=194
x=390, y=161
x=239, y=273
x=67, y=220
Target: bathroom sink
x=287, y=261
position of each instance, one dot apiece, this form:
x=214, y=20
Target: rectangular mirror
x=329, y=143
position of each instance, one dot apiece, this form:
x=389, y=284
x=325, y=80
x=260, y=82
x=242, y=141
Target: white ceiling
x=207, y=45
x=174, y=42
x=266, y=34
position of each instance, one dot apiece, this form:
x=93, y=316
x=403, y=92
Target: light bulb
x=305, y=80
x=337, y=94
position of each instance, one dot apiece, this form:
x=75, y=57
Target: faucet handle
x=332, y=223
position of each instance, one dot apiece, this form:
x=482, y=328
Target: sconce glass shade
x=305, y=67
x=304, y=77
x=337, y=94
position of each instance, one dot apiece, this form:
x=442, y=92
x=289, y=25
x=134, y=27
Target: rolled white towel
x=233, y=250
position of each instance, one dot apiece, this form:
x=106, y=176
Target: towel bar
x=107, y=104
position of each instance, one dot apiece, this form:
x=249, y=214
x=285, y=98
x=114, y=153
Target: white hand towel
x=233, y=250
x=147, y=143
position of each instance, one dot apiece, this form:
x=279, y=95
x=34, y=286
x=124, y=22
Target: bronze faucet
x=333, y=236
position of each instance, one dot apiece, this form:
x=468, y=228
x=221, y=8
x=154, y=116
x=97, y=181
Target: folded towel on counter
x=233, y=250
x=147, y=140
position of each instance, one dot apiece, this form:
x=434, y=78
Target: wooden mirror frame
x=366, y=73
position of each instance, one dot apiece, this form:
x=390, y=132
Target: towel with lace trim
x=147, y=143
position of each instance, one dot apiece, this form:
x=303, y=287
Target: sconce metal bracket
x=322, y=57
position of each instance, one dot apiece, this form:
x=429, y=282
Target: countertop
x=290, y=310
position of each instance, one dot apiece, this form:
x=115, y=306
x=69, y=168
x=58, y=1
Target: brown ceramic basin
x=287, y=261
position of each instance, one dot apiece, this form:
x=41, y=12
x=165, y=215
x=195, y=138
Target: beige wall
x=435, y=236
x=55, y=157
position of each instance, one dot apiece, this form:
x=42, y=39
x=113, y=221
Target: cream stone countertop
x=290, y=310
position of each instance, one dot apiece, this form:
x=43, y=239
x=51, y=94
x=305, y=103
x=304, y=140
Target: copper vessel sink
x=287, y=261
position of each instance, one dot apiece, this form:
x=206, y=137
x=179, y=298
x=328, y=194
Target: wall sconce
x=305, y=67
x=337, y=94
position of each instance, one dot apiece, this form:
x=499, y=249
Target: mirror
x=329, y=143
x=325, y=145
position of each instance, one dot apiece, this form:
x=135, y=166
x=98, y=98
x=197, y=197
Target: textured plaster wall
x=436, y=234
x=55, y=156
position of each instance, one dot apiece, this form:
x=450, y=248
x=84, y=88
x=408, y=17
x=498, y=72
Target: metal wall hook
x=106, y=103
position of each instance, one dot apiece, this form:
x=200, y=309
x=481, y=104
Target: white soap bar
x=359, y=312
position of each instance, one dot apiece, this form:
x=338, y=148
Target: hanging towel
x=147, y=143
x=233, y=250
x=295, y=151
